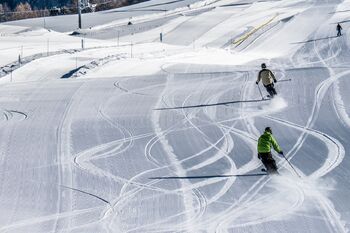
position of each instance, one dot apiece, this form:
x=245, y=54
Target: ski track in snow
x=223, y=190
x=195, y=127
x=178, y=170
x=186, y=115
x=12, y=115
x=218, y=137
x=64, y=153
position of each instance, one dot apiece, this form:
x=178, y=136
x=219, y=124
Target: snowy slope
x=70, y=22
x=133, y=135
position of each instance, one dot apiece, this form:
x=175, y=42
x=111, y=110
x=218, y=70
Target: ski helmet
x=268, y=129
x=263, y=65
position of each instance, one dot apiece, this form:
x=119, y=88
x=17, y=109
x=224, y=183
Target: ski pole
x=291, y=165
x=285, y=80
x=260, y=92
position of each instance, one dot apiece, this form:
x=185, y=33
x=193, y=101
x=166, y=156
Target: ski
x=271, y=173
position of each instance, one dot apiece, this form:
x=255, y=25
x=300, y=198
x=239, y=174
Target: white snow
x=130, y=134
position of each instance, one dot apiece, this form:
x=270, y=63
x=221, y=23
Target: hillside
x=128, y=133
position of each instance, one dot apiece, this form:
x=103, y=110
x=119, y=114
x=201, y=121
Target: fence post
x=48, y=46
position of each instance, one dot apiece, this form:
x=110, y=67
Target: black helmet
x=268, y=129
x=263, y=65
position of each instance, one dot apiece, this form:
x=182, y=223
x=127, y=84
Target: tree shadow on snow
x=204, y=177
x=333, y=12
x=214, y=104
x=344, y=21
x=313, y=40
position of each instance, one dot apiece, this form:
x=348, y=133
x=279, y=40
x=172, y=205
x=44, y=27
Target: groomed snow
x=129, y=134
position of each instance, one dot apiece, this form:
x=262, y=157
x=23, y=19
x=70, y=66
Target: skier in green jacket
x=265, y=141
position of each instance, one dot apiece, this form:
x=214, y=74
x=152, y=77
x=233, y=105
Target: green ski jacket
x=265, y=141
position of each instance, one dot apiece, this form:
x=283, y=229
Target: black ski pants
x=270, y=88
x=268, y=161
x=339, y=33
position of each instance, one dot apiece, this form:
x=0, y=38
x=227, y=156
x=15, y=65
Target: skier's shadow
x=236, y=4
x=204, y=177
x=313, y=40
x=214, y=104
